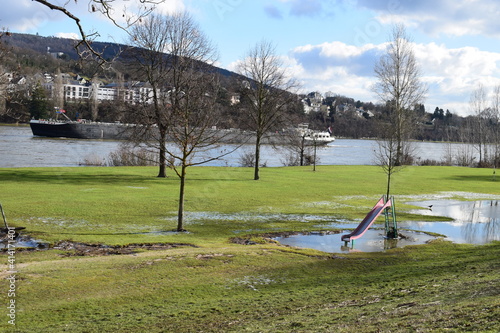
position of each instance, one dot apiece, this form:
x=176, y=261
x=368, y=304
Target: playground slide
x=367, y=221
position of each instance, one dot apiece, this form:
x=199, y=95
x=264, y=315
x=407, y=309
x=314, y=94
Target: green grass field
x=214, y=285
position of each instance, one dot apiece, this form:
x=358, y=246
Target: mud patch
x=268, y=237
x=212, y=256
x=83, y=249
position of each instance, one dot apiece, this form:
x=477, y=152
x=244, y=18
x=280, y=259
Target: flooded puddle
x=474, y=222
x=164, y=233
x=24, y=241
x=372, y=241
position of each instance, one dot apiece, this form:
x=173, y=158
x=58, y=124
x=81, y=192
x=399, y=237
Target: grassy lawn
x=213, y=285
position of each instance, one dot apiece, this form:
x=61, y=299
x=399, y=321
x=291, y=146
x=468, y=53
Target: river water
x=19, y=148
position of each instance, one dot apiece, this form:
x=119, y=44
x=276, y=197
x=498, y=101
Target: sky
x=327, y=45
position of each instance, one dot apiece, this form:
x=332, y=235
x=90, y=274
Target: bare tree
x=3, y=91
x=301, y=147
x=178, y=61
x=400, y=86
x=298, y=152
x=109, y=9
x=478, y=106
x=151, y=39
x=58, y=90
x=385, y=155
x=269, y=92
x=496, y=126
x=4, y=80
x=13, y=89
x=193, y=92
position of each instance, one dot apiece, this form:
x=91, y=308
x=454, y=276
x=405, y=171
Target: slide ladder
x=384, y=205
x=391, y=225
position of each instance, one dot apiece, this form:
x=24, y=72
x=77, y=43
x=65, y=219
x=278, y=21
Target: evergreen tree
x=38, y=103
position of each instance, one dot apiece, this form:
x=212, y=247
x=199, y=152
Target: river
x=19, y=148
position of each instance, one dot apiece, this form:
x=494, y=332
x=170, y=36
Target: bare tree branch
x=399, y=85
x=177, y=59
x=269, y=92
x=107, y=8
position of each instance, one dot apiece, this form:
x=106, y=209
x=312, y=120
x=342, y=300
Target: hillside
x=64, y=49
x=54, y=44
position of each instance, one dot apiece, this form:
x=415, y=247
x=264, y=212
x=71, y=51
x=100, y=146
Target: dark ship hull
x=81, y=130
x=119, y=131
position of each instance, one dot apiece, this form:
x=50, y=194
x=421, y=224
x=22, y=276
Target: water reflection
x=23, y=242
x=372, y=241
x=474, y=222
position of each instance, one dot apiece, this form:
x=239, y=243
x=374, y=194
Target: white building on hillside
x=81, y=89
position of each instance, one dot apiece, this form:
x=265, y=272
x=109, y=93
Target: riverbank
x=208, y=283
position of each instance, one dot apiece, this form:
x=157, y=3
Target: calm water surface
x=474, y=222
x=19, y=148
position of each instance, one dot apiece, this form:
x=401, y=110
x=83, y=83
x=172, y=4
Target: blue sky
x=329, y=45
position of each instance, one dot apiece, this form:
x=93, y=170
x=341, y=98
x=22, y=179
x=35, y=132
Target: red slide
x=368, y=220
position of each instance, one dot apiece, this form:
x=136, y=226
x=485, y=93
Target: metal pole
x=386, y=217
x=314, y=168
x=4, y=219
x=394, y=221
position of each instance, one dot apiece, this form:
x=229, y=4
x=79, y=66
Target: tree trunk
x=399, y=154
x=162, y=159
x=257, y=158
x=388, y=193
x=314, y=160
x=302, y=142
x=390, y=169
x=180, y=213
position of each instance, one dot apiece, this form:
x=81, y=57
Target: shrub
x=128, y=156
x=93, y=160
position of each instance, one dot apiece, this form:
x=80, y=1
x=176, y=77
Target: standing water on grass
x=474, y=222
x=372, y=241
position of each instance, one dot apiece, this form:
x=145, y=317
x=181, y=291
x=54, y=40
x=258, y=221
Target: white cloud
x=435, y=17
x=70, y=35
x=25, y=16
x=451, y=73
x=172, y=6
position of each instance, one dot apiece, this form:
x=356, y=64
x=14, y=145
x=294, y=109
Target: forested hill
x=54, y=44
x=65, y=48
